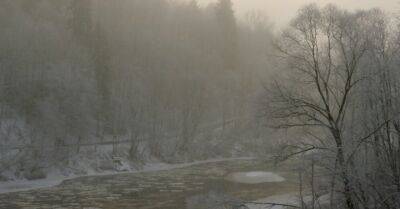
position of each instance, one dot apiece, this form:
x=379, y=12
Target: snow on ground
x=23, y=185
x=255, y=177
x=56, y=178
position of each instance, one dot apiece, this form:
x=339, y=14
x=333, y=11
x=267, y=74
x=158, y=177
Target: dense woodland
x=173, y=81
x=157, y=80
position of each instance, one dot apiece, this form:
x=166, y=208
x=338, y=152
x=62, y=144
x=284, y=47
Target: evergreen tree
x=101, y=62
x=91, y=35
x=228, y=30
x=81, y=22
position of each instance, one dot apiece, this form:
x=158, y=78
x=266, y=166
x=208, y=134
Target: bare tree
x=322, y=51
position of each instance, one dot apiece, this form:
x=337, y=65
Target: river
x=169, y=189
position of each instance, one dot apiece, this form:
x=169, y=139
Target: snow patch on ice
x=255, y=177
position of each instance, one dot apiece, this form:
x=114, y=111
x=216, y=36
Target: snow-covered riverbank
x=54, y=179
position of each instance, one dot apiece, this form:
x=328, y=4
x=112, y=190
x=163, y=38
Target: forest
x=165, y=78
x=91, y=87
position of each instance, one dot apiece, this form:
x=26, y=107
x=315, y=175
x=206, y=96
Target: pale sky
x=281, y=11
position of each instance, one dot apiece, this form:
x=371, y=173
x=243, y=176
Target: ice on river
x=255, y=177
x=55, y=178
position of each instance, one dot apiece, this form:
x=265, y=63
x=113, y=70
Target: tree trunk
x=344, y=174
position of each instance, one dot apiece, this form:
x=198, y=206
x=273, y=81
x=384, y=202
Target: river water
x=170, y=189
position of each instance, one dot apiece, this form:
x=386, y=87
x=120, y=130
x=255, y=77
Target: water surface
x=151, y=190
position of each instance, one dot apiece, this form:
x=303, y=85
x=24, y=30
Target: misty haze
x=200, y=104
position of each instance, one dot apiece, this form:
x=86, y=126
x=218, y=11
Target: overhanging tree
x=322, y=51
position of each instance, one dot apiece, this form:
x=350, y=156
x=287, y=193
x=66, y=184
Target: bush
x=34, y=174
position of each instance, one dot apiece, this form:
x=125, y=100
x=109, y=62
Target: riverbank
x=54, y=179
